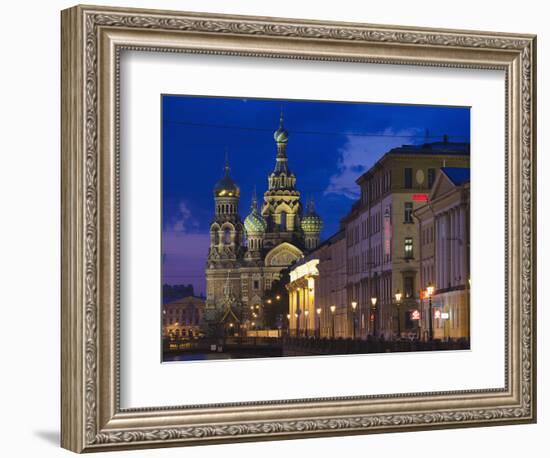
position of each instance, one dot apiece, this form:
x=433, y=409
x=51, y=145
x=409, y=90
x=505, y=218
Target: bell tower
x=281, y=208
x=226, y=231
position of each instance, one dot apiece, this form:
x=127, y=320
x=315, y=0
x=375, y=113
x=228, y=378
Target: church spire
x=254, y=203
x=281, y=135
x=226, y=187
x=226, y=168
x=281, y=139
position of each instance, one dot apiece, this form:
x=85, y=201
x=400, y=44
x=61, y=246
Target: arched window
x=215, y=237
x=283, y=221
x=226, y=236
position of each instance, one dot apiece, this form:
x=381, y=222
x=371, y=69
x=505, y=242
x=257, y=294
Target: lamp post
x=306, y=314
x=373, y=301
x=354, y=308
x=429, y=292
x=332, y=310
x=297, y=314
x=398, y=296
x=319, y=322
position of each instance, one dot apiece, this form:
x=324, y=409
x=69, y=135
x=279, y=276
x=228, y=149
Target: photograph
x=310, y=228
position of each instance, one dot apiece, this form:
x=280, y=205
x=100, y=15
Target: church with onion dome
x=245, y=257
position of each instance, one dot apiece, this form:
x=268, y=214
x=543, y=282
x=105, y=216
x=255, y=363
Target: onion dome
x=311, y=222
x=255, y=222
x=226, y=187
x=281, y=135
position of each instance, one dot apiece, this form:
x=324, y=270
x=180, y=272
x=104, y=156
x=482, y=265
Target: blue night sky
x=330, y=145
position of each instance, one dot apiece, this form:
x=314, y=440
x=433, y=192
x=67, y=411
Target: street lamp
x=319, y=322
x=373, y=301
x=429, y=291
x=278, y=297
x=306, y=313
x=398, y=296
x=333, y=309
x=354, y=308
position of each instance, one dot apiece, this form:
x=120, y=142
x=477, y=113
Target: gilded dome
x=226, y=187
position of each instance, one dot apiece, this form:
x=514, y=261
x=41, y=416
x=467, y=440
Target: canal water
x=205, y=356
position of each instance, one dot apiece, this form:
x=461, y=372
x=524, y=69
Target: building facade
x=183, y=318
x=317, y=292
x=444, y=228
x=366, y=279
x=382, y=236
x=246, y=257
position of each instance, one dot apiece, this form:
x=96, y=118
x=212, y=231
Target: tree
x=276, y=301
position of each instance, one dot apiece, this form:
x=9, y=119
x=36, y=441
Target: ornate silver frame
x=92, y=38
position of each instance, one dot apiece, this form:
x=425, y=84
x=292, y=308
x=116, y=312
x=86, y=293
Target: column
x=437, y=252
x=452, y=242
x=446, y=243
x=290, y=307
x=463, y=255
x=458, y=245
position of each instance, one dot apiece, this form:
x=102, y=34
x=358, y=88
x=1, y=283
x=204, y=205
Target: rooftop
x=186, y=301
x=457, y=175
x=435, y=148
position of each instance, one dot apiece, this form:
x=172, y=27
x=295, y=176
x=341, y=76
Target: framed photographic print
x=278, y=228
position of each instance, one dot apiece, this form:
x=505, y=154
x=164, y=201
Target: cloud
x=183, y=221
x=358, y=154
x=184, y=250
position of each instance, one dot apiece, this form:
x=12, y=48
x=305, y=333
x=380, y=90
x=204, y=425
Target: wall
x=29, y=233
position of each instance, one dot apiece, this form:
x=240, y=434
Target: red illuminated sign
x=420, y=197
x=415, y=314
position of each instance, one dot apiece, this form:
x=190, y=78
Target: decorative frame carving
x=92, y=39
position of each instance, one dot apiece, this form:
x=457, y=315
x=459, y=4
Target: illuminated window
x=408, y=248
